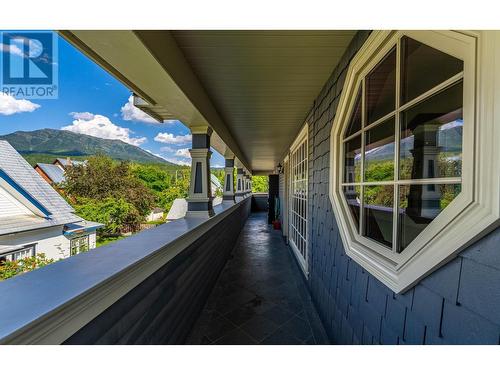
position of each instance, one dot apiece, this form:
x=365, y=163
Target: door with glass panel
x=297, y=226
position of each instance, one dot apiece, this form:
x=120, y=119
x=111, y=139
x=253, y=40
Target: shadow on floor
x=260, y=296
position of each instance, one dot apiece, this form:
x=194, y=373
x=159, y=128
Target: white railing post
x=200, y=192
x=228, y=194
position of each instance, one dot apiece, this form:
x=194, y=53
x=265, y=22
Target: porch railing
x=146, y=289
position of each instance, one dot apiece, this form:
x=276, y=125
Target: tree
x=260, y=184
x=153, y=177
x=179, y=189
x=102, y=178
x=112, y=212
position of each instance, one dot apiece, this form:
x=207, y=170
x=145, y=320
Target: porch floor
x=260, y=296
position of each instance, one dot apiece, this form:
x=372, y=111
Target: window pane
x=419, y=205
x=352, y=196
x=431, y=137
x=379, y=152
x=355, y=122
x=381, y=88
x=352, y=160
x=423, y=67
x=378, y=208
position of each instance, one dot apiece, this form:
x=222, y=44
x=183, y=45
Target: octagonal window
x=402, y=144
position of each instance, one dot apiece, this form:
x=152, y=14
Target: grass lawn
x=105, y=240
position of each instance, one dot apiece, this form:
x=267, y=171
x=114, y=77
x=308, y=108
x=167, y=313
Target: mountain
x=450, y=138
x=61, y=143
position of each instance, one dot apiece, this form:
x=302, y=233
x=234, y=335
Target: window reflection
x=352, y=195
x=378, y=213
x=352, y=160
x=419, y=72
x=431, y=137
x=419, y=205
x=355, y=123
x=381, y=88
x=379, y=152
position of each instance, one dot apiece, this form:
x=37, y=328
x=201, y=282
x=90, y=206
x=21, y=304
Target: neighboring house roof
x=215, y=181
x=19, y=177
x=66, y=162
x=179, y=208
x=8, y=248
x=53, y=171
x=81, y=227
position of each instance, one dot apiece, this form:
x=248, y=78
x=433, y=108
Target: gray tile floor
x=260, y=297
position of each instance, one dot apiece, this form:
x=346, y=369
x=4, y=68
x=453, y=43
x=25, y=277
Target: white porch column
x=245, y=185
x=228, y=194
x=239, y=183
x=200, y=192
x=249, y=184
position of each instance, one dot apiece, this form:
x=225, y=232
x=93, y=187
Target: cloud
x=87, y=116
x=132, y=113
x=10, y=105
x=12, y=48
x=171, y=139
x=101, y=127
x=167, y=149
x=178, y=161
x=183, y=152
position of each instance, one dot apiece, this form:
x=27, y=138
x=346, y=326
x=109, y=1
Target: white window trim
x=302, y=260
x=476, y=210
x=85, y=237
x=10, y=255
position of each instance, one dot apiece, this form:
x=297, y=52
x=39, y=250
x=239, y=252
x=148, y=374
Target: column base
x=200, y=214
x=200, y=208
x=230, y=197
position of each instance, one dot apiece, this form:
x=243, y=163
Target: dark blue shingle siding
x=458, y=303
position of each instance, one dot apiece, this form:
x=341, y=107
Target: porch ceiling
x=263, y=82
x=254, y=88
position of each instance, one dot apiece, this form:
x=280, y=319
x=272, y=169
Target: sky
x=93, y=102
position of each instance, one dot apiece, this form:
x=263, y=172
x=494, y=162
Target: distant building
x=67, y=162
x=54, y=173
x=155, y=214
x=34, y=218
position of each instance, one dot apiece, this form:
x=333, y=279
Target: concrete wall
x=164, y=307
x=459, y=303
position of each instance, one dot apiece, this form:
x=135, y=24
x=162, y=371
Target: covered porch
x=277, y=103
x=261, y=297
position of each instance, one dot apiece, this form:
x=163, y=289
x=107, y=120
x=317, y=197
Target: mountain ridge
x=66, y=143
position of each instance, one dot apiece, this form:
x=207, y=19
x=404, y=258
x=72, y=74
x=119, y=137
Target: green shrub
x=10, y=269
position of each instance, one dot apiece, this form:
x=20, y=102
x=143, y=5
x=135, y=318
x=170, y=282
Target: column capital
x=200, y=152
x=201, y=129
